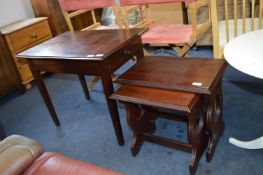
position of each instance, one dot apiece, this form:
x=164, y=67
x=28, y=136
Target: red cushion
x=57, y=164
x=141, y=2
x=72, y=5
x=168, y=33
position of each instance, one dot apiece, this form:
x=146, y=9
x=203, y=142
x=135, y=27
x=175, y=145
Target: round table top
x=245, y=53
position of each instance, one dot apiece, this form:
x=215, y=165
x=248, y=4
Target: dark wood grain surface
x=84, y=45
x=199, y=75
x=167, y=99
x=161, y=82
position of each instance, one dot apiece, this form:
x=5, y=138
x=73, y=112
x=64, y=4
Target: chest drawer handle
x=34, y=35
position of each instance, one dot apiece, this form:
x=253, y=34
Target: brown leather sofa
x=21, y=155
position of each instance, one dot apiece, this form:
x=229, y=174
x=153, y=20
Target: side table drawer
x=29, y=36
x=133, y=48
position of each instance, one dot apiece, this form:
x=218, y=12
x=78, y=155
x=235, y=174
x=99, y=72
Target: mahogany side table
x=198, y=75
x=145, y=104
x=96, y=52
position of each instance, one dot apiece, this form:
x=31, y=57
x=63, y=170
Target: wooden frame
x=144, y=18
x=146, y=21
x=69, y=15
x=236, y=26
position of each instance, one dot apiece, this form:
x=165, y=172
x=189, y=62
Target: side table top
x=84, y=45
x=197, y=75
x=166, y=99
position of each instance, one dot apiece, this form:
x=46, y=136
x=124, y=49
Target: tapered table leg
x=112, y=105
x=44, y=93
x=84, y=86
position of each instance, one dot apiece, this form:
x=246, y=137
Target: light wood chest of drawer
x=22, y=35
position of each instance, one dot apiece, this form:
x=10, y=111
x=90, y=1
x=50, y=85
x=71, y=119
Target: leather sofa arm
x=51, y=163
x=17, y=153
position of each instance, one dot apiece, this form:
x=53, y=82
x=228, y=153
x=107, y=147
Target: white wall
x=13, y=10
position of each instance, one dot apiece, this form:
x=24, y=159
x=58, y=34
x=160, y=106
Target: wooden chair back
x=240, y=16
x=73, y=8
x=142, y=13
x=193, y=9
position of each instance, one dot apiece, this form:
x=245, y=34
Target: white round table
x=245, y=53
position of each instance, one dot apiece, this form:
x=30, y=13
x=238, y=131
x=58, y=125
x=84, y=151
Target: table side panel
x=67, y=66
x=218, y=77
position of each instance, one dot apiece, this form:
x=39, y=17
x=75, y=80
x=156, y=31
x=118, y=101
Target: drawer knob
x=34, y=35
x=127, y=52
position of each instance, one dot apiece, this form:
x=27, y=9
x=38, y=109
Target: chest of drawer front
x=29, y=36
x=27, y=74
x=22, y=38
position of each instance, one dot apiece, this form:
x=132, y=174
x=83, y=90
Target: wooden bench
x=143, y=106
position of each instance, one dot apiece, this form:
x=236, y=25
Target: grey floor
x=86, y=132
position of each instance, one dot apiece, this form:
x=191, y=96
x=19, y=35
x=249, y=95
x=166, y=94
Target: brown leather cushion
x=17, y=153
x=57, y=164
